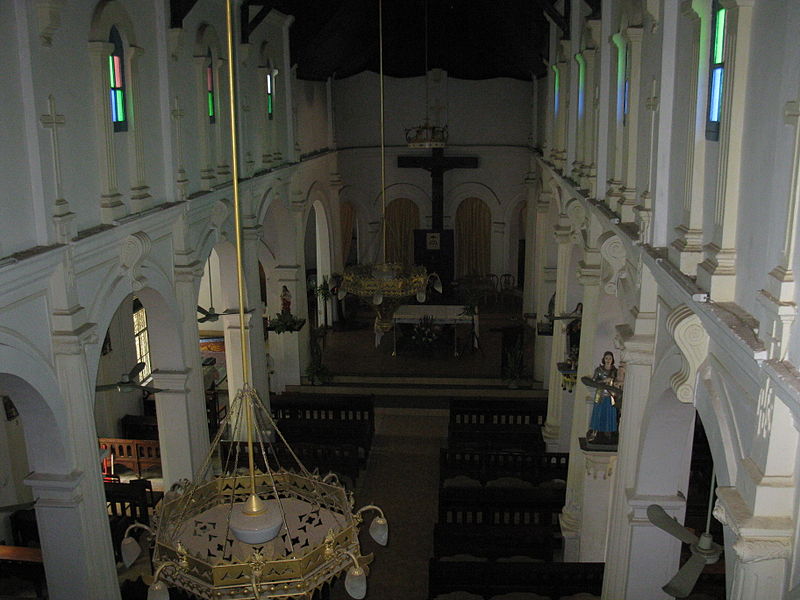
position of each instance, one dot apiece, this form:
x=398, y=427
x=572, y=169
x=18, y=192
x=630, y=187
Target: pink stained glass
x=117, y=72
x=209, y=81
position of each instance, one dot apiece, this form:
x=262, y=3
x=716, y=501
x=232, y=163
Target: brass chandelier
x=255, y=523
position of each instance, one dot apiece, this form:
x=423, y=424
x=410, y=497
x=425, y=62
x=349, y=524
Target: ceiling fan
x=704, y=550
x=127, y=382
x=209, y=314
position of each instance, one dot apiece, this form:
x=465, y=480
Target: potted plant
x=285, y=321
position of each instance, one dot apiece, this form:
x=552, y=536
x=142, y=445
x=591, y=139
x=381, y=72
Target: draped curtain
x=347, y=217
x=402, y=218
x=473, y=238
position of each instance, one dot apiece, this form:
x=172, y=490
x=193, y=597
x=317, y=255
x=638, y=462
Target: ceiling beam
x=249, y=25
x=557, y=18
x=178, y=9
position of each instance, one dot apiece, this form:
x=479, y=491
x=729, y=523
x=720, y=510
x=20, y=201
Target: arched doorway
x=473, y=235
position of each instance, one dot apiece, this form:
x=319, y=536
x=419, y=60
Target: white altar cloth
x=442, y=314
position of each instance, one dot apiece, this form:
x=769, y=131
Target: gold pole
x=239, y=259
x=383, y=151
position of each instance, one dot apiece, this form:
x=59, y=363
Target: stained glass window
x=626, y=92
x=116, y=78
x=717, y=73
x=556, y=86
x=212, y=117
x=141, y=339
x=270, y=94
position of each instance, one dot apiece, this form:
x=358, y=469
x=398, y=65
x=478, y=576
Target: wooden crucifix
x=437, y=164
x=434, y=248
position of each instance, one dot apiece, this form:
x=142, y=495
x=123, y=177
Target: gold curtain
x=402, y=218
x=347, y=217
x=473, y=238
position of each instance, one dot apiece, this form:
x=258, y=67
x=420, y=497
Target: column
x=259, y=378
x=761, y=550
x=686, y=251
x=591, y=55
x=630, y=532
x=617, y=91
x=71, y=511
x=598, y=482
x=140, y=191
x=631, y=154
x=717, y=273
x=285, y=348
x=532, y=184
x=571, y=515
x=174, y=408
x=541, y=299
x=777, y=297
x=552, y=426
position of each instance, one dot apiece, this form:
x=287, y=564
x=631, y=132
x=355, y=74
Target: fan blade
x=134, y=372
x=15, y=507
x=204, y=319
x=659, y=517
x=681, y=585
x=235, y=311
x=106, y=388
x=202, y=310
x=147, y=388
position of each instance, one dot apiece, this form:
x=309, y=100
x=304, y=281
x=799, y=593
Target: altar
x=442, y=314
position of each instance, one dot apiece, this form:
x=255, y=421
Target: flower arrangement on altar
x=425, y=333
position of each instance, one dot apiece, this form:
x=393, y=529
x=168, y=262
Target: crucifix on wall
x=433, y=247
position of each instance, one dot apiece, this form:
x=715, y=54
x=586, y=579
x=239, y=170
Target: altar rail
x=136, y=455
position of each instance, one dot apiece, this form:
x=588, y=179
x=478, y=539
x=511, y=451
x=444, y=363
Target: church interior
x=432, y=300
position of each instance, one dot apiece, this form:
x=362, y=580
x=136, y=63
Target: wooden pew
x=488, y=579
x=485, y=465
x=327, y=420
x=25, y=563
x=511, y=425
x=494, y=541
x=501, y=506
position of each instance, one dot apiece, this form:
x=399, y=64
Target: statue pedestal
x=600, y=467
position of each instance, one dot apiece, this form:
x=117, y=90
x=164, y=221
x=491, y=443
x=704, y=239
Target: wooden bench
x=494, y=541
x=487, y=579
x=485, y=465
x=342, y=459
x=25, y=563
x=497, y=424
x=327, y=420
x=500, y=506
x=139, y=456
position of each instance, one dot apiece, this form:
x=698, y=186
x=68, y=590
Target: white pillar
x=552, y=426
x=600, y=468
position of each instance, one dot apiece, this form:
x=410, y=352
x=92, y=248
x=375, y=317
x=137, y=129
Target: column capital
x=563, y=234
x=252, y=233
x=599, y=465
x=188, y=272
x=56, y=490
x=588, y=275
x=73, y=342
x=171, y=382
x=637, y=349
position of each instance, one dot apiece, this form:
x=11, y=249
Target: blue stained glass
x=715, y=105
x=114, y=106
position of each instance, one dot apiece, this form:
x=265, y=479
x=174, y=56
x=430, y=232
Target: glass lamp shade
x=341, y=293
x=421, y=296
x=158, y=591
x=253, y=522
x=130, y=551
x=379, y=530
x=377, y=299
x=355, y=582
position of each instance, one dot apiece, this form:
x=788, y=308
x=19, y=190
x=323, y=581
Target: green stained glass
x=269, y=104
x=111, y=74
x=120, y=106
x=210, y=104
x=719, y=36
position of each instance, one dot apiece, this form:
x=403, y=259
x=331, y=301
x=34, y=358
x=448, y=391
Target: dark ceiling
x=470, y=39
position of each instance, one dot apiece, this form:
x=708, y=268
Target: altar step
x=424, y=387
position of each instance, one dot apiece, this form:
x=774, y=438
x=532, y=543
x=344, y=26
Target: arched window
x=473, y=233
x=717, y=72
x=270, y=99
x=212, y=117
x=141, y=338
x=402, y=218
x=116, y=72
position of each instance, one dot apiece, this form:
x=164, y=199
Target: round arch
x=107, y=14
